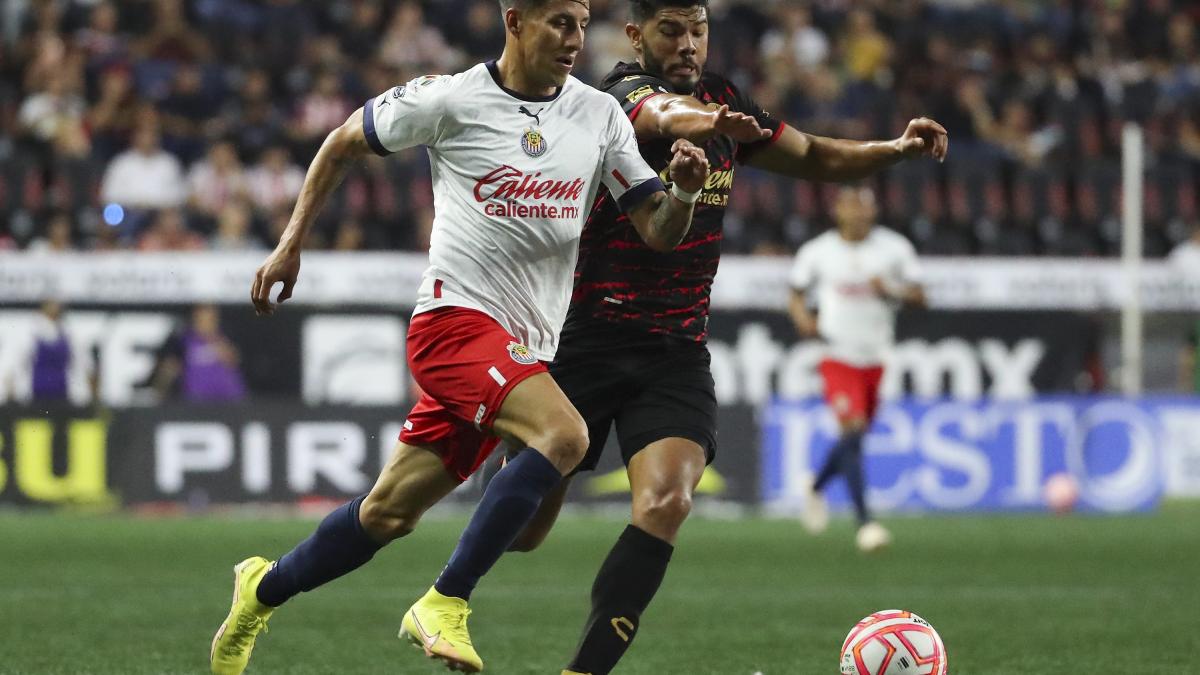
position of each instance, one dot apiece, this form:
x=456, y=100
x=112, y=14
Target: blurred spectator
x=100, y=42
x=1186, y=254
x=795, y=43
x=360, y=35
x=320, y=111
x=253, y=119
x=52, y=120
x=275, y=181
x=233, y=229
x=198, y=363
x=484, y=34
x=187, y=111
x=113, y=117
x=865, y=50
x=145, y=176
x=350, y=236
x=170, y=38
x=413, y=46
x=50, y=357
x=169, y=232
x=217, y=180
x=58, y=237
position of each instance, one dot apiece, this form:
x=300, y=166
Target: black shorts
x=650, y=386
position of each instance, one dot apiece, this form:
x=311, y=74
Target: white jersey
x=513, y=181
x=858, y=324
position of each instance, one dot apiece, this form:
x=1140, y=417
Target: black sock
x=508, y=503
x=625, y=585
x=339, y=545
x=834, y=462
x=852, y=469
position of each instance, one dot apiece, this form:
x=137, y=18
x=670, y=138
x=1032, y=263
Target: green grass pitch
x=1010, y=596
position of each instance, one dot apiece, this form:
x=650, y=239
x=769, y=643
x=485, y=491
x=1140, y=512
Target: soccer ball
x=1061, y=493
x=893, y=642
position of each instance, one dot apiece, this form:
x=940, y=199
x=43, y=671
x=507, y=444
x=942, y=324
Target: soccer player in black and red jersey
x=633, y=350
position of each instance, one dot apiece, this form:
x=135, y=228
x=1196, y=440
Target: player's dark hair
x=641, y=10
x=506, y=5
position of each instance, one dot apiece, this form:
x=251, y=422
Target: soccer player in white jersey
x=518, y=150
x=861, y=274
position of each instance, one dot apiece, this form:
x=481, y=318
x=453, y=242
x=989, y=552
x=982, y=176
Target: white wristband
x=684, y=196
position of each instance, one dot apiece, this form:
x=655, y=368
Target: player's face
x=551, y=38
x=855, y=213
x=673, y=44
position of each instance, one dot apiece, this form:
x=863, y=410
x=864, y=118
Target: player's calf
x=387, y=521
x=543, y=520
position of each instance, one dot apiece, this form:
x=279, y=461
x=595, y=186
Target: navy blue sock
x=508, y=503
x=340, y=545
x=835, y=462
x=852, y=469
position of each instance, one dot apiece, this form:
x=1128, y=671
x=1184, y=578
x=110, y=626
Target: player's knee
x=564, y=441
x=854, y=425
x=386, y=523
x=664, y=508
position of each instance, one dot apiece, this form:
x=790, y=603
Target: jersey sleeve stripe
x=745, y=152
x=778, y=132
x=640, y=193
x=369, y=129
x=637, y=109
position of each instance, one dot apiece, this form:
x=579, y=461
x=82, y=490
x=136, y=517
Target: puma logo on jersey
x=535, y=115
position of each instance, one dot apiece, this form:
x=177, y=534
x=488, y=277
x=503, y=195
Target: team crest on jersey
x=399, y=92
x=534, y=143
x=521, y=354
x=640, y=93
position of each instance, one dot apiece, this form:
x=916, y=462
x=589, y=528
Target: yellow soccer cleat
x=234, y=641
x=438, y=625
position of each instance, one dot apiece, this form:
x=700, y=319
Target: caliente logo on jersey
x=510, y=192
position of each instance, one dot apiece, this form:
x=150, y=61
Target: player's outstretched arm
x=679, y=116
x=342, y=147
x=802, y=155
x=664, y=218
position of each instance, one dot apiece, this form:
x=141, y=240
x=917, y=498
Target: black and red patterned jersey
x=620, y=280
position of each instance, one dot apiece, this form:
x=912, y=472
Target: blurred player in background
x=518, y=151
x=633, y=348
x=860, y=273
x=50, y=356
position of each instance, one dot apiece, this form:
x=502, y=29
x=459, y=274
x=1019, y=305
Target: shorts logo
x=521, y=354
x=534, y=143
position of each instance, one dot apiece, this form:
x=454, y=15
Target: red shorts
x=851, y=391
x=465, y=364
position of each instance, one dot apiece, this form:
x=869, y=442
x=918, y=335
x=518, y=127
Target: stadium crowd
x=172, y=125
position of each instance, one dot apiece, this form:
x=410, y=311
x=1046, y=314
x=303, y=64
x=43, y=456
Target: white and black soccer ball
x=893, y=642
